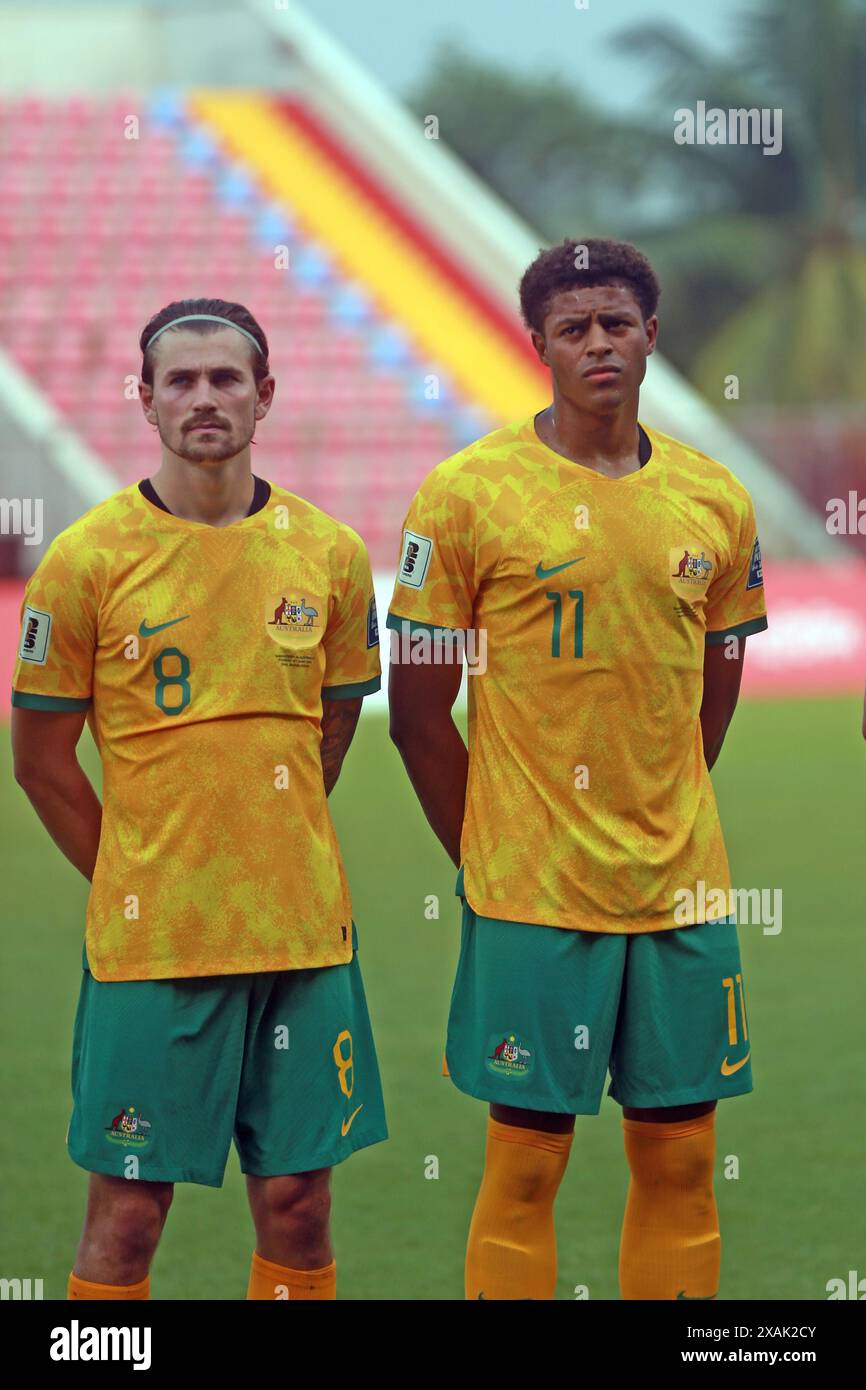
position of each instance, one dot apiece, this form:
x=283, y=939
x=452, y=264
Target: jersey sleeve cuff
x=24, y=700
x=715, y=639
x=395, y=623
x=351, y=692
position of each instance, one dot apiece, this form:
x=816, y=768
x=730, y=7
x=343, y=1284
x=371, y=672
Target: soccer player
x=607, y=576
x=219, y=635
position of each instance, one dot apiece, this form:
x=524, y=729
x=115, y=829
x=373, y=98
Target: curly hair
x=609, y=263
x=225, y=309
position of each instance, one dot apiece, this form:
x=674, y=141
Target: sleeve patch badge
x=756, y=572
x=415, y=560
x=35, y=636
x=372, y=623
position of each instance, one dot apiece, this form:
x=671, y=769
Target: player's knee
x=530, y=1185
x=528, y=1192
x=669, y=1162
x=682, y=1167
x=131, y=1220
x=523, y=1176
x=300, y=1203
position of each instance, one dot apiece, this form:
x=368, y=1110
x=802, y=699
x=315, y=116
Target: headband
x=214, y=318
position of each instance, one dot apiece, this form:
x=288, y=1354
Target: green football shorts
x=540, y=1014
x=166, y=1072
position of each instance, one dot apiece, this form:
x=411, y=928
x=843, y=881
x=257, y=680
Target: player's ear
x=651, y=328
x=145, y=395
x=265, y=396
x=540, y=346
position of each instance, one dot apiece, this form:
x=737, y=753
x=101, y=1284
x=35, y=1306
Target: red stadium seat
x=97, y=232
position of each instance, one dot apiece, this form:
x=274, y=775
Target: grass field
x=791, y=784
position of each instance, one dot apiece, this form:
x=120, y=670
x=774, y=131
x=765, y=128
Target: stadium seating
x=98, y=231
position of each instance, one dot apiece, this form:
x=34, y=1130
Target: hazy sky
x=393, y=38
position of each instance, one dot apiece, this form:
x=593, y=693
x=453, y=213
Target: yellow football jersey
x=202, y=655
x=588, y=602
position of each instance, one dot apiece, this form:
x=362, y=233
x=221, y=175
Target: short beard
x=217, y=453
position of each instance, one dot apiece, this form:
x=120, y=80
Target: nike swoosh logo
x=516, y=1300
x=542, y=573
x=728, y=1070
x=347, y=1124
x=145, y=631
x=697, y=1298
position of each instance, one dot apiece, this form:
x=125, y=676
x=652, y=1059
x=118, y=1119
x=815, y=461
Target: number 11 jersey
x=588, y=602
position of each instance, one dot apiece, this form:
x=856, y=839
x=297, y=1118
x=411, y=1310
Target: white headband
x=213, y=318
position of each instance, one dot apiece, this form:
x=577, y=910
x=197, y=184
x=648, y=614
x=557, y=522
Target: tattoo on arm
x=339, y=721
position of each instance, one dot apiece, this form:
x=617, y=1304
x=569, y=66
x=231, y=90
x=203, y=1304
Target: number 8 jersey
x=587, y=602
x=202, y=655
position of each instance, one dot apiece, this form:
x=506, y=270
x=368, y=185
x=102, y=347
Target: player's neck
x=215, y=495
x=610, y=444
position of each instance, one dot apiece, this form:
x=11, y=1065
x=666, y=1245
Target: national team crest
x=295, y=618
x=509, y=1055
x=689, y=570
x=129, y=1129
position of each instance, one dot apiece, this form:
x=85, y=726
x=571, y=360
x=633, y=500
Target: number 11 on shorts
x=729, y=984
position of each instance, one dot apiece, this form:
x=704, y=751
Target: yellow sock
x=670, y=1247
x=275, y=1282
x=511, y=1253
x=82, y=1288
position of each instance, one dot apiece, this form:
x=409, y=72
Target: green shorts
x=540, y=1014
x=166, y=1072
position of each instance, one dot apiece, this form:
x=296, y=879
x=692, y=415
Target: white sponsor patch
x=35, y=635
x=415, y=560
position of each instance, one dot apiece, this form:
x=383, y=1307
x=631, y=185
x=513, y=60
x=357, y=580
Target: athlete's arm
x=46, y=767
x=722, y=676
x=339, y=721
x=421, y=699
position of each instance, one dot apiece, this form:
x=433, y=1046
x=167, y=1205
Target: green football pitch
x=791, y=785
